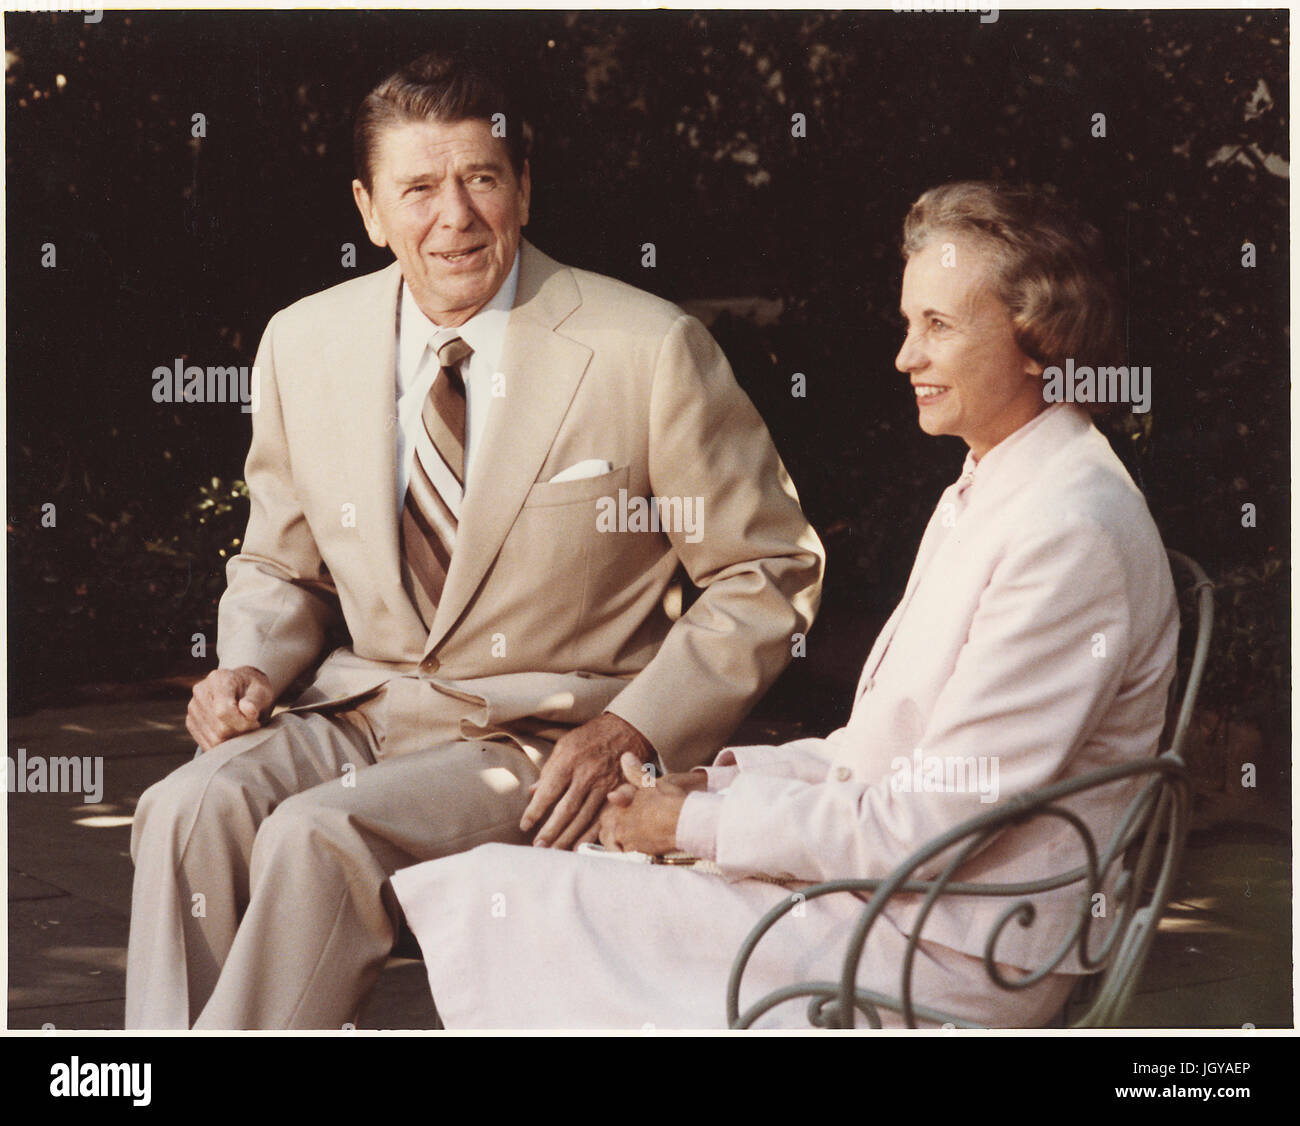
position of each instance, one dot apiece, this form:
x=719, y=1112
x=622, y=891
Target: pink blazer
x=1035, y=641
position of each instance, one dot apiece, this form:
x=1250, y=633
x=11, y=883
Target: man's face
x=445, y=199
x=970, y=377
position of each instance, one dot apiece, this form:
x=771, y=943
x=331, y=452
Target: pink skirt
x=526, y=938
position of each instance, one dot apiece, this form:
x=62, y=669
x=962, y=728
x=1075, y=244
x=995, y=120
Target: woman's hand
x=641, y=815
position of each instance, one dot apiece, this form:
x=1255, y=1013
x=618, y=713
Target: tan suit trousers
x=261, y=866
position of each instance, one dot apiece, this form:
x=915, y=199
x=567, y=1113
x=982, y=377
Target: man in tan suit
x=494, y=471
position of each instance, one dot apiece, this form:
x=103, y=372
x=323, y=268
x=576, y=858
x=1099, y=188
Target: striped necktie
x=431, y=511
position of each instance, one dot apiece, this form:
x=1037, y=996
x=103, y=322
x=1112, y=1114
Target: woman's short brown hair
x=1048, y=267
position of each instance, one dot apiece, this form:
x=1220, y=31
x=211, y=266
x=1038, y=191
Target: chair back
x=1156, y=849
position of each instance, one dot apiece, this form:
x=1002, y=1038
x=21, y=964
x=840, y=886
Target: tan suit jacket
x=545, y=620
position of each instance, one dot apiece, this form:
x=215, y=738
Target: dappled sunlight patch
x=499, y=780
x=104, y=821
x=97, y=958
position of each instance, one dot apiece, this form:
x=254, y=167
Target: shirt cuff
x=697, y=825
x=719, y=777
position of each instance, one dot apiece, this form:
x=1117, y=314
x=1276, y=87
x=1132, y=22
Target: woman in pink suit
x=1035, y=642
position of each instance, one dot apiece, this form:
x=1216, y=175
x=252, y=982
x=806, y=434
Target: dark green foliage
x=665, y=127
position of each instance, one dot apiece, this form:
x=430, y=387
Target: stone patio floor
x=1222, y=959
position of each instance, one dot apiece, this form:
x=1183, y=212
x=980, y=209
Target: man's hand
x=642, y=814
x=228, y=702
x=580, y=772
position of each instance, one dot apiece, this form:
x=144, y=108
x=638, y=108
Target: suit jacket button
x=429, y=664
x=843, y=774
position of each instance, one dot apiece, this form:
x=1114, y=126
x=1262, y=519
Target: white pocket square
x=592, y=467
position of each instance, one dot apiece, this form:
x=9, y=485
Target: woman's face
x=970, y=377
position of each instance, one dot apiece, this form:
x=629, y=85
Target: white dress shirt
x=417, y=366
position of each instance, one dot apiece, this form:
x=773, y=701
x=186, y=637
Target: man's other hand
x=581, y=770
x=228, y=702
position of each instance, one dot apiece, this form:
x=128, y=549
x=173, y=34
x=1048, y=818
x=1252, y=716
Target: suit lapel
x=363, y=374
x=934, y=535
x=542, y=371
x=1029, y=455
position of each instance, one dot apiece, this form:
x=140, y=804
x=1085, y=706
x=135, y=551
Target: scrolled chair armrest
x=1159, y=807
